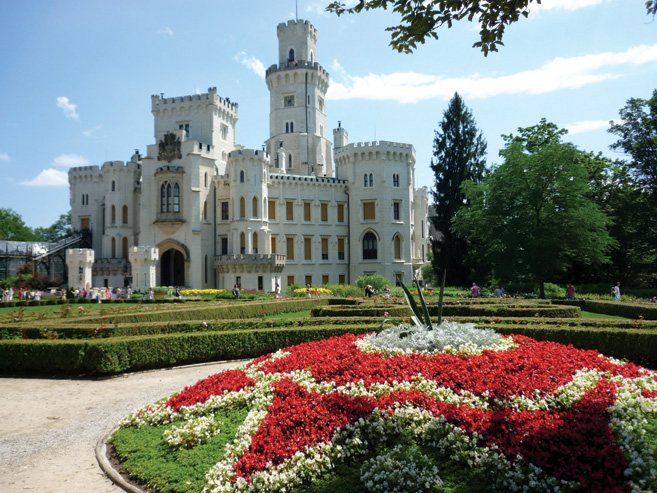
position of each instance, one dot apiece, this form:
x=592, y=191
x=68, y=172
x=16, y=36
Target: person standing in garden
x=570, y=292
x=277, y=291
x=475, y=290
x=616, y=290
x=236, y=292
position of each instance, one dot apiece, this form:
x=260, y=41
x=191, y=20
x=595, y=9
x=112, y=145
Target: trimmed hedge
x=92, y=331
x=121, y=354
x=453, y=311
x=208, y=311
x=638, y=346
x=639, y=311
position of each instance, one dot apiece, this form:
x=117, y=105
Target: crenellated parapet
x=190, y=103
x=120, y=166
x=375, y=151
x=248, y=156
x=300, y=26
x=292, y=72
x=83, y=174
x=312, y=181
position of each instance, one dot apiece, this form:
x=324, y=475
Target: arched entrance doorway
x=172, y=268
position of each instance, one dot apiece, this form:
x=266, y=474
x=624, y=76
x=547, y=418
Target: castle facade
x=300, y=210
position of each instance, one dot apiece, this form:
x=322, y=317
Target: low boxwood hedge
x=94, y=331
x=553, y=311
x=636, y=345
x=205, y=311
x=121, y=354
x=640, y=311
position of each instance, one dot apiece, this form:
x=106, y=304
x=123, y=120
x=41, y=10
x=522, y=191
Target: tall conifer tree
x=459, y=154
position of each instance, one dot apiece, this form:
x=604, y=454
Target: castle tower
x=79, y=262
x=297, y=117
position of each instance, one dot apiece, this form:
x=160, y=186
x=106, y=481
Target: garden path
x=49, y=427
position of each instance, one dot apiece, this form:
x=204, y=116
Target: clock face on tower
x=288, y=100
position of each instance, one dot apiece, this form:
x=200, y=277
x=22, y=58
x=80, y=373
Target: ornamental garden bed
x=463, y=310
x=356, y=414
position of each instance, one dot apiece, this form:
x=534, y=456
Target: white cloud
x=166, y=31
x=92, y=131
x=255, y=65
x=559, y=73
x=48, y=178
x=587, y=126
x=562, y=5
x=68, y=107
x=4, y=156
x=70, y=161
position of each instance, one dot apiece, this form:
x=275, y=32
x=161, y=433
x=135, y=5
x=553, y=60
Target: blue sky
x=76, y=78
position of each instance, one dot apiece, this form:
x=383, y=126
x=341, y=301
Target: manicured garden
x=514, y=397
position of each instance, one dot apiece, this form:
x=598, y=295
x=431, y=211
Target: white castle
x=197, y=210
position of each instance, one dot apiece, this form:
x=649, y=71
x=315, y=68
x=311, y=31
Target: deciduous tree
x=532, y=217
x=421, y=19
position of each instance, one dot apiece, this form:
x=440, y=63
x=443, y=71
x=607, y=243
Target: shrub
x=376, y=281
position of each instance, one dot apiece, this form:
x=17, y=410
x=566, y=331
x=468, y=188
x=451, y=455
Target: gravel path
x=49, y=427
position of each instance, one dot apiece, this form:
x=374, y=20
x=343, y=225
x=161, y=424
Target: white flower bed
x=448, y=337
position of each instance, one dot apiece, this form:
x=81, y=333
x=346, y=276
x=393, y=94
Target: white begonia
x=448, y=337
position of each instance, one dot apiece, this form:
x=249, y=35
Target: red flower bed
x=201, y=391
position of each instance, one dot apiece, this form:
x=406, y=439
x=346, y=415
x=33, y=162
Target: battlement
x=241, y=154
x=159, y=102
x=298, y=24
x=120, y=165
x=372, y=151
x=294, y=65
x=328, y=180
x=84, y=170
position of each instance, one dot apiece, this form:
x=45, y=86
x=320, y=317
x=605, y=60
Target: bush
x=116, y=355
x=376, y=281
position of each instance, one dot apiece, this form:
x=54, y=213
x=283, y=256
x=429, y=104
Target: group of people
x=498, y=292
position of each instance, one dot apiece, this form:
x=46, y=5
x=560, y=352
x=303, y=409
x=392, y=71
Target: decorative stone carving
x=169, y=148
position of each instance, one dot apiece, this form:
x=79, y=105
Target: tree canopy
x=637, y=137
x=421, y=19
x=532, y=216
x=459, y=154
x=13, y=228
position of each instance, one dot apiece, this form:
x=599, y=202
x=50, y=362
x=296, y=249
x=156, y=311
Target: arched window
x=290, y=55
x=242, y=207
x=365, y=180
x=113, y=186
x=205, y=180
x=371, y=180
x=395, y=180
x=124, y=247
x=113, y=221
x=397, y=247
x=255, y=206
x=255, y=242
x=369, y=247
x=113, y=248
x=125, y=214
x=242, y=243
x=83, y=200
x=289, y=161
x=241, y=176
x=291, y=127
x=163, y=198
x=205, y=210
x=176, y=198
x=287, y=127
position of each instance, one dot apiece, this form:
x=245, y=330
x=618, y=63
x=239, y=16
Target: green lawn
x=600, y=315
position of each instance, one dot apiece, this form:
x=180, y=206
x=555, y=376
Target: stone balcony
x=250, y=262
